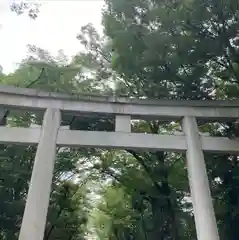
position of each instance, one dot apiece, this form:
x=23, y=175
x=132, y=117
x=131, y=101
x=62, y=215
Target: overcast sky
x=55, y=28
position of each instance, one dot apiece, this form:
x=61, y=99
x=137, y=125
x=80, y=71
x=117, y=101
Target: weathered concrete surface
x=123, y=123
x=29, y=92
x=35, y=99
x=123, y=140
x=34, y=219
x=202, y=202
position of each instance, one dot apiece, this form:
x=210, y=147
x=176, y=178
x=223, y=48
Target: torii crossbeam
x=58, y=107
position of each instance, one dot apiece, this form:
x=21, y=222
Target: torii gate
x=58, y=106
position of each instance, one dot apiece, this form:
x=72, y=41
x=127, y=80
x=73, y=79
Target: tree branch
x=146, y=168
x=37, y=79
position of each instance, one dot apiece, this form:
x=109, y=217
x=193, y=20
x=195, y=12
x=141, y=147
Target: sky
x=55, y=28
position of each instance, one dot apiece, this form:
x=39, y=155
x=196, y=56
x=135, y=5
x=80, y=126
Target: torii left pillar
x=34, y=218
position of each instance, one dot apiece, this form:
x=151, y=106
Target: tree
x=22, y=7
x=114, y=215
x=175, y=49
x=67, y=206
x=179, y=50
x=67, y=218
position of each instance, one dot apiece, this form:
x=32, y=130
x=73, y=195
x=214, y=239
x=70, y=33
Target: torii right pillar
x=204, y=215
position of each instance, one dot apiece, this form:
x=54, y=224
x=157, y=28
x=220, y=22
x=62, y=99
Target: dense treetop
x=175, y=49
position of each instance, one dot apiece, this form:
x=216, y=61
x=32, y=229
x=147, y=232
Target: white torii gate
x=58, y=106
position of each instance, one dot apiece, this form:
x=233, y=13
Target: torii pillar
x=34, y=218
x=204, y=215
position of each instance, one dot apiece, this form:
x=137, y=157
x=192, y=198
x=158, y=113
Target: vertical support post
x=123, y=123
x=34, y=219
x=3, y=114
x=202, y=203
